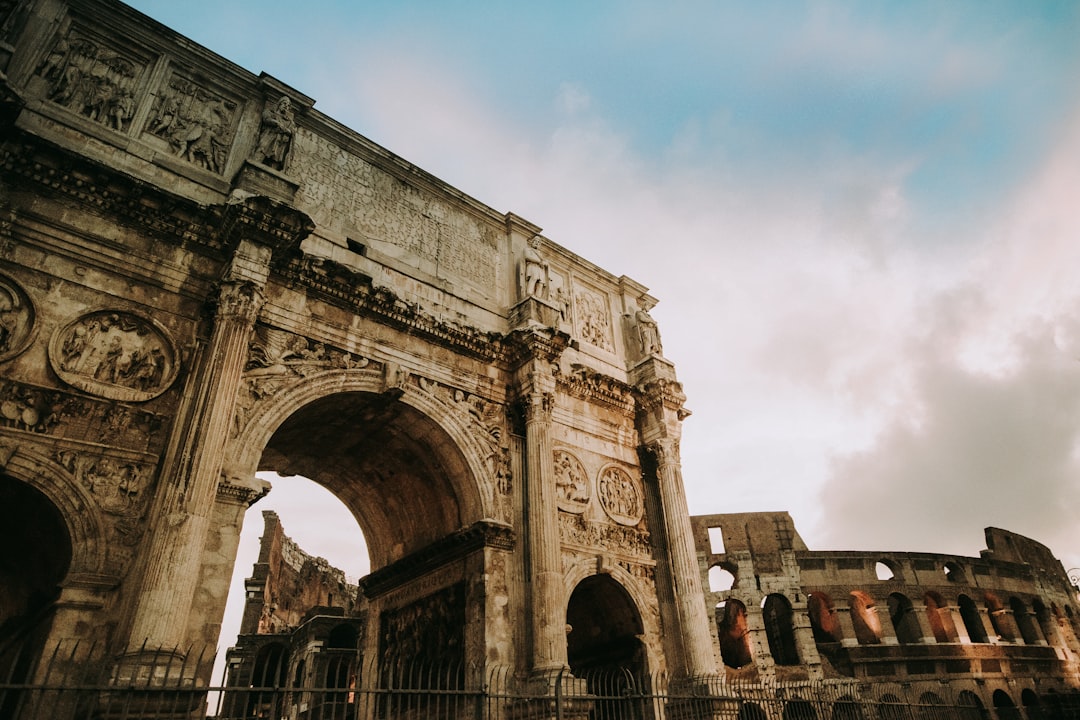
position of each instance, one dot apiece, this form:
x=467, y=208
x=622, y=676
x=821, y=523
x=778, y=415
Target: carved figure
x=571, y=481
x=114, y=354
x=91, y=81
x=648, y=333
x=196, y=124
x=620, y=496
x=276, y=134
x=592, y=317
x=536, y=270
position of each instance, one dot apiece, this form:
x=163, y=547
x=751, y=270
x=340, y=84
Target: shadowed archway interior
x=605, y=628
x=397, y=470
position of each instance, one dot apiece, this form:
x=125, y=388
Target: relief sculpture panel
x=117, y=355
x=620, y=495
x=92, y=80
x=196, y=124
x=572, y=483
x=17, y=326
x=593, y=321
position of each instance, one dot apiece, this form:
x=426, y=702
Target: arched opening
x=953, y=572
x=721, y=579
x=35, y=554
x=864, y=618
x=780, y=629
x=605, y=627
x=902, y=614
x=885, y=570
x=973, y=624
x=1004, y=706
x=1032, y=706
x=847, y=708
x=734, y=633
x=1046, y=621
x=971, y=707
x=1000, y=618
x=823, y=618
x=751, y=711
x=603, y=644
x=268, y=676
x=1025, y=622
x=799, y=709
x=939, y=617
x=890, y=708
x=399, y=473
x=930, y=706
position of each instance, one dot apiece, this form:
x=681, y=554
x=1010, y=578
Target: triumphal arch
x=203, y=277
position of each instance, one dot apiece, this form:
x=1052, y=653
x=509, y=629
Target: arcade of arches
x=202, y=276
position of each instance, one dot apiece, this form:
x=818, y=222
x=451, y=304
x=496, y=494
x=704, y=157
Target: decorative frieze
x=592, y=319
x=576, y=530
x=116, y=355
x=597, y=388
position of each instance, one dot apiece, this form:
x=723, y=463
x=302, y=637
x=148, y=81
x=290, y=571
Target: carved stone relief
x=576, y=530
x=592, y=318
x=17, y=326
x=425, y=633
x=117, y=355
x=620, y=495
x=572, y=483
x=276, y=130
x=120, y=489
x=40, y=410
x=198, y=125
x=91, y=80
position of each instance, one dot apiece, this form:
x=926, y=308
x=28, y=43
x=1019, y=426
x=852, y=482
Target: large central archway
x=395, y=468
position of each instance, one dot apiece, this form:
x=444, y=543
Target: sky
x=861, y=219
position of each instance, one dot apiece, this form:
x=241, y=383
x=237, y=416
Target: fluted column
x=691, y=622
x=537, y=351
x=175, y=558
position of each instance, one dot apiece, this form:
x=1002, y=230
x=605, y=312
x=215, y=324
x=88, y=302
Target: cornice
x=598, y=389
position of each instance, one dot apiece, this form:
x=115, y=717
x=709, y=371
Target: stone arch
x=939, y=617
x=1025, y=622
x=905, y=624
x=864, y=618
x=1000, y=618
x=446, y=474
x=734, y=634
x=779, y=618
x=584, y=569
x=823, y=620
x=1004, y=706
x=723, y=576
x=79, y=511
x=972, y=618
x=605, y=628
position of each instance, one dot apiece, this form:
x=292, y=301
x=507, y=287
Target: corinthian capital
x=239, y=301
x=537, y=407
x=665, y=450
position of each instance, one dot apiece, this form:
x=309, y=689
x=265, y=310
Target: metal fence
x=78, y=681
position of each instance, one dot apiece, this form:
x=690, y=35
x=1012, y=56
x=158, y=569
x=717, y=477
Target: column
x=546, y=601
x=690, y=622
x=169, y=584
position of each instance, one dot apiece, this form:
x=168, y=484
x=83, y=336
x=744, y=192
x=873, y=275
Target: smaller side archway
x=604, y=628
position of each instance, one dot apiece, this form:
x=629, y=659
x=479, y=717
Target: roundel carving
x=620, y=495
x=17, y=319
x=572, y=482
x=116, y=355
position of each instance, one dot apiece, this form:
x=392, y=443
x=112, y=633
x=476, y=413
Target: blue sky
x=861, y=220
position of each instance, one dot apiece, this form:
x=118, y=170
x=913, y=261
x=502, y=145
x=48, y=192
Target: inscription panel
x=342, y=191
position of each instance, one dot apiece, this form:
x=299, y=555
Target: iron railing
x=77, y=681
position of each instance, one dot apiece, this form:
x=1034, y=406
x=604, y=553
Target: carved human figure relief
x=648, y=333
x=115, y=354
x=17, y=326
x=572, y=483
x=534, y=271
x=276, y=130
x=93, y=81
x=197, y=124
x=620, y=496
x=593, y=322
